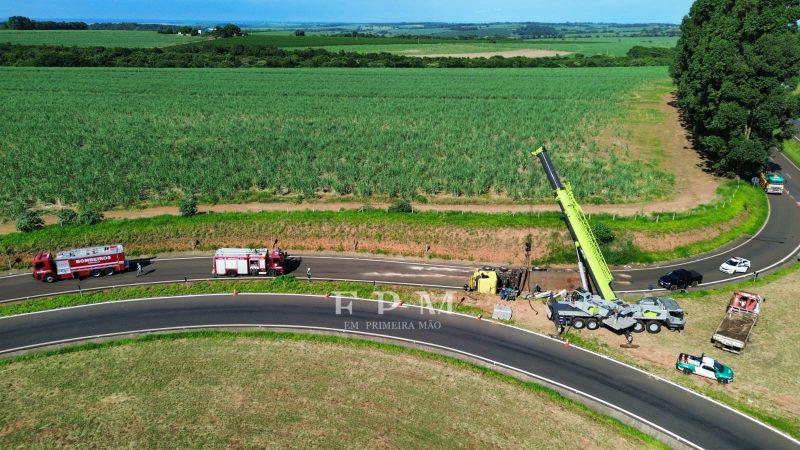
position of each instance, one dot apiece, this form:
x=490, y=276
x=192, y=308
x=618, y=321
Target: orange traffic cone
x=566, y=343
x=235, y=292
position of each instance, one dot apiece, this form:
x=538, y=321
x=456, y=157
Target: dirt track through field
x=526, y=53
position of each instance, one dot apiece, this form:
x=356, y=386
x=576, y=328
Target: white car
x=735, y=265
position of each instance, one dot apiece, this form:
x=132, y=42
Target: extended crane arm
x=588, y=249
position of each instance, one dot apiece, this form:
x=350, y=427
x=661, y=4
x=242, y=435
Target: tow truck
x=595, y=303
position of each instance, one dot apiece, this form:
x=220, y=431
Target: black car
x=680, y=279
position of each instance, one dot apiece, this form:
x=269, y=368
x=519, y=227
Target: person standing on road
x=138, y=269
x=308, y=274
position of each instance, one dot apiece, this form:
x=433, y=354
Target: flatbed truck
x=741, y=317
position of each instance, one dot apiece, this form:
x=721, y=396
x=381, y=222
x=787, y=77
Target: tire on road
x=109, y=271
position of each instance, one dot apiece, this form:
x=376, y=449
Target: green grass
x=439, y=44
x=266, y=389
x=791, y=148
x=298, y=229
x=94, y=38
x=154, y=134
x=280, y=285
x=766, y=386
x=289, y=40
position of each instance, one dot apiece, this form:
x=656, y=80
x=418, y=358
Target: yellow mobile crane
x=596, y=303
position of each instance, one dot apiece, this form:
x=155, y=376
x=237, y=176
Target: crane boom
x=587, y=248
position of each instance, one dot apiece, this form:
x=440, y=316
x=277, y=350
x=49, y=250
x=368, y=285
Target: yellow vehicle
x=482, y=282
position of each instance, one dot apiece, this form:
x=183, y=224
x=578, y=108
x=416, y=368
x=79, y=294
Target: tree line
x=736, y=70
x=25, y=23
x=269, y=56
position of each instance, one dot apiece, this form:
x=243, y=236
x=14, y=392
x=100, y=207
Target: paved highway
x=776, y=243
x=678, y=412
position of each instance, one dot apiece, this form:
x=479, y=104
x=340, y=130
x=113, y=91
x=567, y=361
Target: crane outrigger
x=596, y=303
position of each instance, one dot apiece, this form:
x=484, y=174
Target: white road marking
x=379, y=336
x=15, y=275
x=543, y=336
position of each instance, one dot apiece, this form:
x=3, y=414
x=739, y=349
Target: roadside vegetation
x=791, y=148
x=333, y=132
x=280, y=285
x=262, y=389
x=740, y=210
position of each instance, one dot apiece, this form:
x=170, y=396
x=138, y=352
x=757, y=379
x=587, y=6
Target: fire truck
x=246, y=261
x=79, y=263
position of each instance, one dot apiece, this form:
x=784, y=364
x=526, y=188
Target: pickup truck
x=736, y=327
x=680, y=279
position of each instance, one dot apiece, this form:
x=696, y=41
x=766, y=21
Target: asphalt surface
x=676, y=410
x=775, y=243
x=777, y=240
x=701, y=421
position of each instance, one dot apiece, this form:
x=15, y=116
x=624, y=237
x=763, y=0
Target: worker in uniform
x=308, y=274
x=138, y=269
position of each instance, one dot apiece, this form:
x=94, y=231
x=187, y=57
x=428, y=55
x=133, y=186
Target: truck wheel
x=638, y=327
x=695, y=283
x=95, y=273
x=653, y=327
x=578, y=323
x=592, y=324
x=108, y=271
x=673, y=287
x=687, y=372
x=49, y=278
x=272, y=273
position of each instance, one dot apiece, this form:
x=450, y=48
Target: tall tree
x=20, y=23
x=736, y=69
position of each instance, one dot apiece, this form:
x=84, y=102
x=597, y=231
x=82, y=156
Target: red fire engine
x=79, y=263
x=246, y=261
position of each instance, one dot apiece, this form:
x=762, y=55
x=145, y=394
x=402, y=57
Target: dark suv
x=680, y=279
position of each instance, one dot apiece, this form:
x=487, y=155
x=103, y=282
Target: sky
x=619, y=11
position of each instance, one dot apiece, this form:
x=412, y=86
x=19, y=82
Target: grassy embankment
x=282, y=285
x=741, y=210
x=791, y=148
x=282, y=389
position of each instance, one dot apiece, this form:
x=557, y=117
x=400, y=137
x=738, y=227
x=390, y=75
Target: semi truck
x=105, y=260
x=595, y=303
x=740, y=318
x=249, y=262
x=772, y=181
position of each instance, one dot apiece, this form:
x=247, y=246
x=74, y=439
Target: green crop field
x=123, y=136
x=612, y=46
x=285, y=40
x=94, y=38
x=597, y=46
